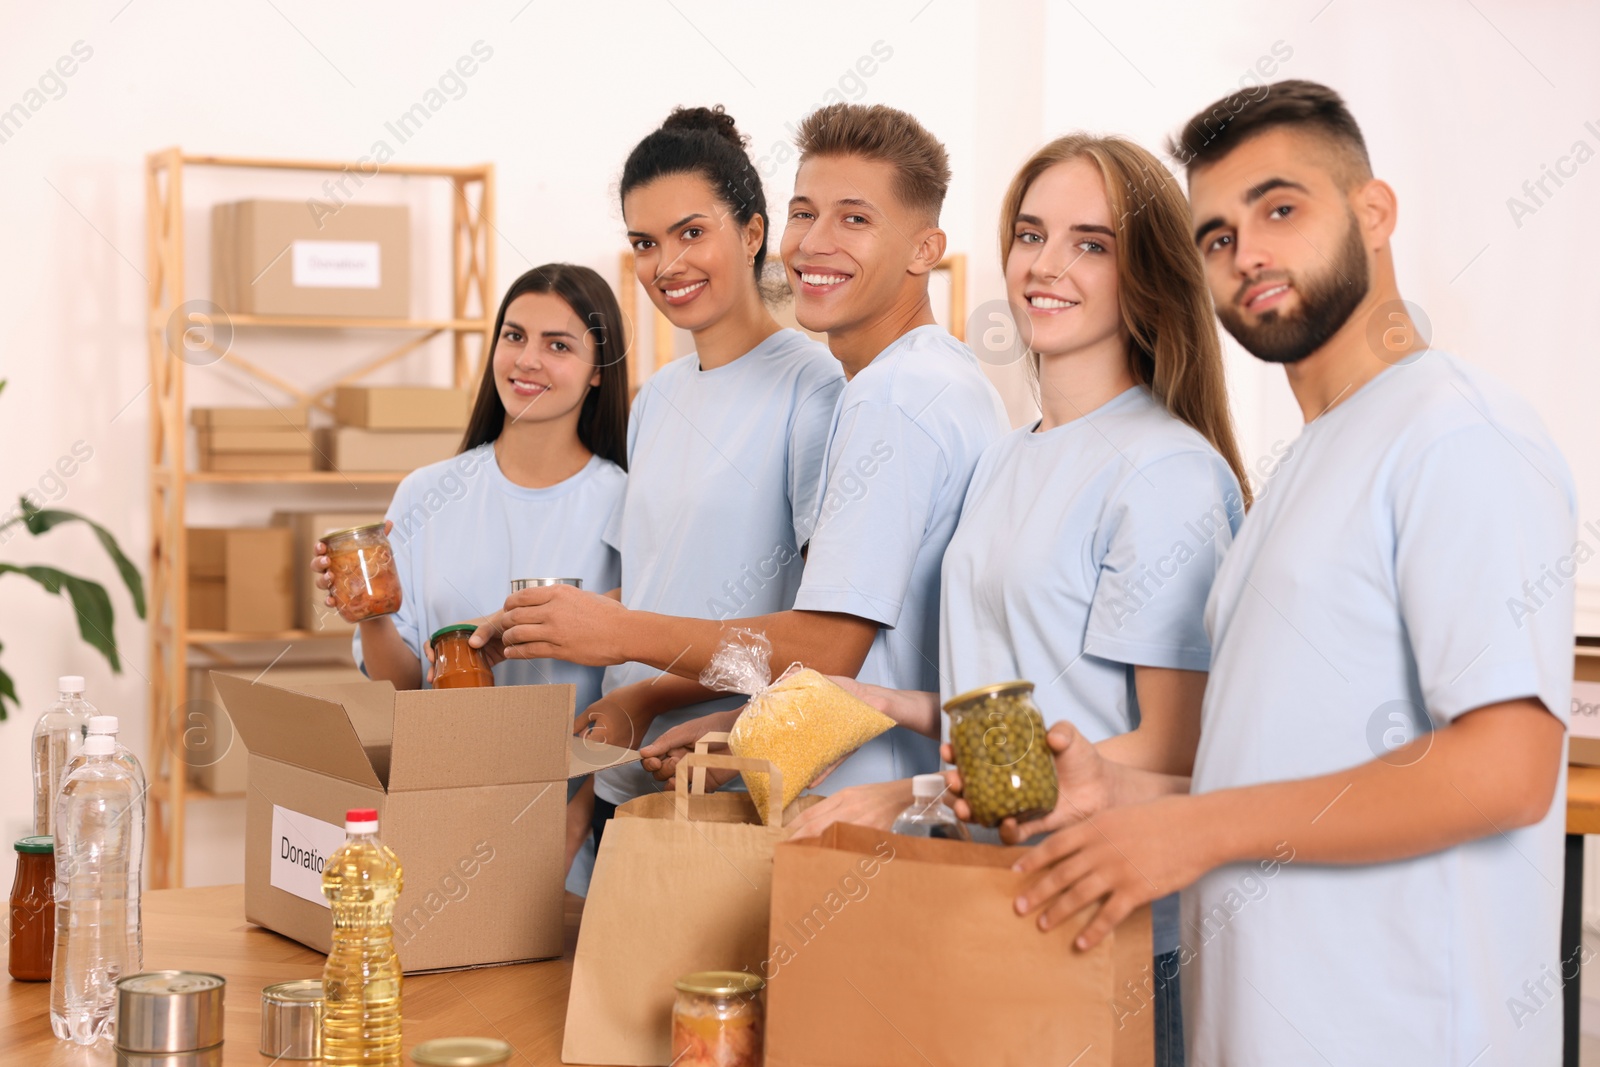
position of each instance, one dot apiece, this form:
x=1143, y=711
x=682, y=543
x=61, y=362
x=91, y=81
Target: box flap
x=586, y=757
x=510, y=734
x=297, y=728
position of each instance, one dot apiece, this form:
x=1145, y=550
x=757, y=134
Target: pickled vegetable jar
x=717, y=1020
x=33, y=910
x=366, y=583
x=1007, y=768
x=456, y=664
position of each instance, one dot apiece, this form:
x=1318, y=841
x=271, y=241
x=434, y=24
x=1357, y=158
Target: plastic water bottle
x=361, y=983
x=929, y=815
x=57, y=737
x=107, y=724
x=96, y=816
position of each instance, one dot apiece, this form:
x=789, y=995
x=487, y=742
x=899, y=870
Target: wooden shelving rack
x=473, y=304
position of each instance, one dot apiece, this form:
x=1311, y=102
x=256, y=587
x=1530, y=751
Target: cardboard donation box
x=470, y=790
x=681, y=884
x=307, y=258
x=888, y=950
x=1583, y=743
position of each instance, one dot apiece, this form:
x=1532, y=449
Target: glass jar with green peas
x=998, y=738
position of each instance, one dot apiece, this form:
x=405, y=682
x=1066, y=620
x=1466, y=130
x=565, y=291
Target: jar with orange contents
x=361, y=564
x=33, y=910
x=456, y=664
x=717, y=1020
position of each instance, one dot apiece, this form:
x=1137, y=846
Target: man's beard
x=1327, y=300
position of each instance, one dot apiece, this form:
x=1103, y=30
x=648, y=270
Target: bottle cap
x=927, y=786
x=103, y=724
x=70, y=683
x=361, y=821
x=99, y=745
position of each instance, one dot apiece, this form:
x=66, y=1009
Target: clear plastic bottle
x=57, y=737
x=96, y=813
x=929, y=815
x=107, y=724
x=361, y=983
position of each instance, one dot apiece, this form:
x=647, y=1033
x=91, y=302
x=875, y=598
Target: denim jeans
x=1169, y=1012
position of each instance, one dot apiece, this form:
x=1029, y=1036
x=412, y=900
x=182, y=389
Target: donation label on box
x=337, y=265
x=301, y=845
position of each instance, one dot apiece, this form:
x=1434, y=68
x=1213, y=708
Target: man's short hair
x=1217, y=130
x=922, y=166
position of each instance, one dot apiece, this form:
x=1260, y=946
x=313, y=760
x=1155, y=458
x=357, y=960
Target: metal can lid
x=42, y=844
x=169, y=983
x=720, y=983
x=999, y=689
x=453, y=628
x=331, y=534
x=461, y=1052
x=519, y=584
x=299, y=991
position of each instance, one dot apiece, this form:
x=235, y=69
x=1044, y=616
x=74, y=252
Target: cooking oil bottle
x=361, y=984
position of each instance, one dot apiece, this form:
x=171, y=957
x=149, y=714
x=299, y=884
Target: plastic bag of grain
x=799, y=721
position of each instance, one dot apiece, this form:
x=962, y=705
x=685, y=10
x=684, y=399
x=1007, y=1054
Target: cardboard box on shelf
x=349, y=448
x=468, y=788
x=216, y=759
x=285, y=257
x=402, y=407
x=288, y=440
x=255, y=418
x=238, y=579
x=1583, y=742
x=307, y=528
x=238, y=462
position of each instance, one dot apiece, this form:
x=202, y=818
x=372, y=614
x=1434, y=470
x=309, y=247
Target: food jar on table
x=361, y=564
x=998, y=738
x=33, y=910
x=717, y=1020
x=456, y=664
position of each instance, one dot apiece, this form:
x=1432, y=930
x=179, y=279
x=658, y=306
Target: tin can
x=206, y=1057
x=461, y=1052
x=519, y=584
x=291, y=1020
x=169, y=1011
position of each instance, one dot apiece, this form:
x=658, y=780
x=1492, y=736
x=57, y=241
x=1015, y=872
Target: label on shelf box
x=1585, y=720
x=337, y=264
x=301, y=846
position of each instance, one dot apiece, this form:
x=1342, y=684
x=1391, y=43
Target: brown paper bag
x=888, y=950
x=682, y=883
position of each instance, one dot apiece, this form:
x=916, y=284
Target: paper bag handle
x=697, y=784
x=744, y=764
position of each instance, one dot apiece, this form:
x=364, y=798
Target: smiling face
x=1285, y=258
x=543, y=360
x=850, y=245
x=1061, y=272
x=689, y=251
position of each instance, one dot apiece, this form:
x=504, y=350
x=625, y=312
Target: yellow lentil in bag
x=802, y=723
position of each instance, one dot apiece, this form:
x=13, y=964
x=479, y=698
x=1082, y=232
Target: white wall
x=1455, y=118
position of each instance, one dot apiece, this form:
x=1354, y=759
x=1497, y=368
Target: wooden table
x=205, y=930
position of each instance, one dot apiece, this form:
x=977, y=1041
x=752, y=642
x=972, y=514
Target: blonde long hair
x=1173, y=348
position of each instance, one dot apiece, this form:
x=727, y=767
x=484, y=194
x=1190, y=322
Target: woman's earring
x=752, y=262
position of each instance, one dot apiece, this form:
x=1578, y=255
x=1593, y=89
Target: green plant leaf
x=89, y=600
x=8, y=690
x=42, y=520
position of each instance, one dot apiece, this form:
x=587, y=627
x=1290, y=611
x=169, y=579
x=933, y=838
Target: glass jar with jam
x=33, y=910
x=718, y=1020
x=456, y=664
x=361, y=564
x=998, y=738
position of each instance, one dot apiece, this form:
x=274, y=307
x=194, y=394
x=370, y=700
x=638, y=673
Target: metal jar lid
x=169, y=1011
x=461, y=1052
x=987, y=692
x=720, y=983
x=519, y=584
x=328, y=537
x=291, y=1020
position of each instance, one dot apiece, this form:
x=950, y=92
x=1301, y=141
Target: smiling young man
x=1369, y=840
x=861, y=240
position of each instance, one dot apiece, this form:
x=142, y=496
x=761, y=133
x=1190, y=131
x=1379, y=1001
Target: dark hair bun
x=712, y=119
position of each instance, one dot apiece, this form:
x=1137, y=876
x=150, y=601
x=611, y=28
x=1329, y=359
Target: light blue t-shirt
x=725, y=466
x=463, y=531
x=1410, y=561
x=1082, y=552
x=907, y=434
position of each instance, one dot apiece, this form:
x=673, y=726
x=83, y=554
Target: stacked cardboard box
x=393, y=428
x=306, y=529
x=253, y=439
x=239, y=579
